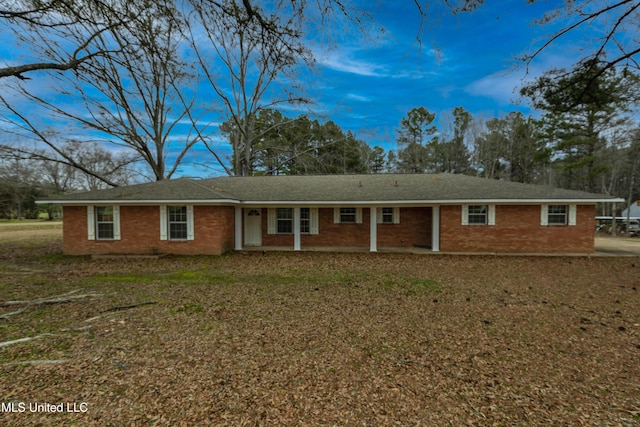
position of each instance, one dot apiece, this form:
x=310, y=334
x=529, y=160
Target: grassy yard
x=319, y=339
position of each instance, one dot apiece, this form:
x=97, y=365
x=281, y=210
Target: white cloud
x=358, y=98
x=503, y=87
x=341, y=61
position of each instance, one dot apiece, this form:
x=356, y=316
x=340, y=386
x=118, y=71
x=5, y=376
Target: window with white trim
x=305, y=220
x=478, y=215
x=280, y=220
x=388, y=216
x=177, y=222
x=347, y=215
x=557, y=215
x=284, y=220
x=105, y=223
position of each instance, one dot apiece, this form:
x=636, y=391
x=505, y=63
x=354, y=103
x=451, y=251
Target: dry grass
x=323, y=339
x=21, y=231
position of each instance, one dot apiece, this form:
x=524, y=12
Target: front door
x=252, y=227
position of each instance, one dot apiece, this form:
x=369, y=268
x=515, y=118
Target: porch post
x=435, y=229
x=614, y=221
x=373, y=229
x=296, y=229
x=238, y=228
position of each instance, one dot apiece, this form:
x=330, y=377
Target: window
x=387, y=215
x=557, y=215
x=284, y=220
x=477, y=214
x=347, y=215
x=105, y=223
x=177, y=222
x=305, y=220
x=280, y=220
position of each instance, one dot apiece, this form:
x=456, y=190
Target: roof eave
x=142, y=202
x=428, y=202
x=332, y=202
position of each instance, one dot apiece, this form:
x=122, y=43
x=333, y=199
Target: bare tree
x=46, y=27
x=617, y=21
x=252, y=51
x=131, y=98
x=125, y=81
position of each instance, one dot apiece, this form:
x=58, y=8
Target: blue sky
x=466, y=60
x=367, y=83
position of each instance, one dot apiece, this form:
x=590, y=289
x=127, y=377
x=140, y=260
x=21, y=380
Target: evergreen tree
x=580, y=106
x=416, y=131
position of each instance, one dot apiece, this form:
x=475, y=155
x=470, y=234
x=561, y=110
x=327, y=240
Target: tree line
x=586, y=139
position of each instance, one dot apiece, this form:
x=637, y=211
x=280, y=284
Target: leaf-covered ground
x=320, y=339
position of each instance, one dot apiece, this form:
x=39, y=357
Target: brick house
x=443, y=213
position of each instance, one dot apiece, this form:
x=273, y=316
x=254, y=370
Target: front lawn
x=319, y=339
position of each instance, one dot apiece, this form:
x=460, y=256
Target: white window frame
x=305, y=223
x=164, y=223
x=174, y=222
x=92, y=222
x=282, y=220
x=570, y=215
x=490, y=215
x=395, y=215
x=338, y=212
x=272, y=221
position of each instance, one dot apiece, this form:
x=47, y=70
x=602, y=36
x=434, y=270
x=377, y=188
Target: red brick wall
x=414, y=230
x=517, y=230
x=140, y=232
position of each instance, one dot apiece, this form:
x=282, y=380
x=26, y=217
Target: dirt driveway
x=617, y=246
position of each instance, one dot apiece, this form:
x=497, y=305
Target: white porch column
x=296, y=229
x=373, y=229
x=238, y=228
x=614, y=222
x=435, y=229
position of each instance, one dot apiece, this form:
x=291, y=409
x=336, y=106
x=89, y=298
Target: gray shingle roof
x=176, y=189
x=339, y=188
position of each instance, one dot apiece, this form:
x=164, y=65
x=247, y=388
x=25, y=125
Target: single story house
x=440, y=212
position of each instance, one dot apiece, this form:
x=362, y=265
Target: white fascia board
x=414, y=203
x=528, y=201
x=141, y=202
x=329, y=203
